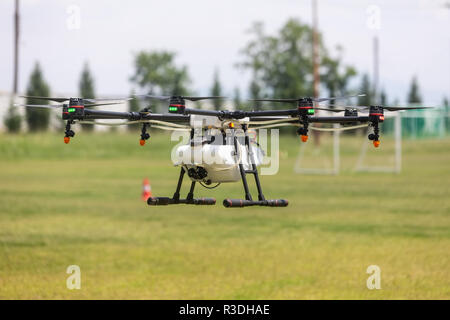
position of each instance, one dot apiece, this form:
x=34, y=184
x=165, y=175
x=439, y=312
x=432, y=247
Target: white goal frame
x=359, y=167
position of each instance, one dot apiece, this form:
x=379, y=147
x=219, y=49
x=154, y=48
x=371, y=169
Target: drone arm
x=212, y=113
x=339, y=119
x=225, y=114
x=271, y=113
x=90, y=114
x=166, y=117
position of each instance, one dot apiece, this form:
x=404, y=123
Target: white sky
x=414, y=40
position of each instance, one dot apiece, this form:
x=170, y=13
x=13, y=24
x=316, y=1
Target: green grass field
x=80, y=204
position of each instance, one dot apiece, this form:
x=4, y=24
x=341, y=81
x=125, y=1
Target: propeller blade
x=106, y=99
x=203, y=98
x=167, y=98
x=55, y=106
x=67, y=99
x=275, y=100
x=161, y=98
x=405, y=108
x=47, y=106
x=346, y=107
x=314, y=99
x=101, y=104
x=338, y=98
x=46, y=98
x=396, y=108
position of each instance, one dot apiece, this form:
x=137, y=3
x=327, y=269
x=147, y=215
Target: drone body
x=212, y=157
x=223, y=151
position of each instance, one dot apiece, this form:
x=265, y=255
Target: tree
x=86, y=87
x=37, y=118
x=216, y=90
x=255, y=93
x=383, y=98
x=133, y=106
x=447, y=112
x=157, y=73
x=414, y=94
x=13, y=121
x=336, y=76
x=282, y=65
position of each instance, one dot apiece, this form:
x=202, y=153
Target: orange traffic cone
x=146, y=190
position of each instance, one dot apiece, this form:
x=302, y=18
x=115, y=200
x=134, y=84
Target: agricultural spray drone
x=224, y=133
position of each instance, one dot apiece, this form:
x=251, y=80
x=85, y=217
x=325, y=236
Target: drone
x=224, y=133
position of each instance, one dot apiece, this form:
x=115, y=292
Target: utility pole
x=374, y=24
x=376, y=68
x=16, y=46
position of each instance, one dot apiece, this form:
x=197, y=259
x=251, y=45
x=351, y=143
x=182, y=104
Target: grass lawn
x=80, y=204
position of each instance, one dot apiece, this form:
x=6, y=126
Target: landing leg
x=190, y=195
x=176, y=195
x=157, y=201
x=248, y=196
x=254, y=170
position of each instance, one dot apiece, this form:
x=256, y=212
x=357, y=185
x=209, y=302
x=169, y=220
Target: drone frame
x=301, y=116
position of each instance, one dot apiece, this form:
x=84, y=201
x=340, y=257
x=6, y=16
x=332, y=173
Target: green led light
x=71, y=110
x=174, y=109
x=310, y=111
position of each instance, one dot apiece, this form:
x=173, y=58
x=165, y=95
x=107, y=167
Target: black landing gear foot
x=239, y=203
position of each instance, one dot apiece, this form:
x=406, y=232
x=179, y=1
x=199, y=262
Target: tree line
x=280, y=65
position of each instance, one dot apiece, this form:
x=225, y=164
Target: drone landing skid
x=161, y=201
x=237, y=203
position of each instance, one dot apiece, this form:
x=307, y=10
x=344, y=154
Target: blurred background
x=395, y=52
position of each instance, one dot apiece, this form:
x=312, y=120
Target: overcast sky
x=414, y=39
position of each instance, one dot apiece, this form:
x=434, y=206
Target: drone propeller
x=47, y=106
x=339, y=98
x=92, y=101
x=46, y=98
x=405, y=108
x=168, y=98
x=397, y=108
x=313, y=99
x=101, y=100
x=56, y=106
